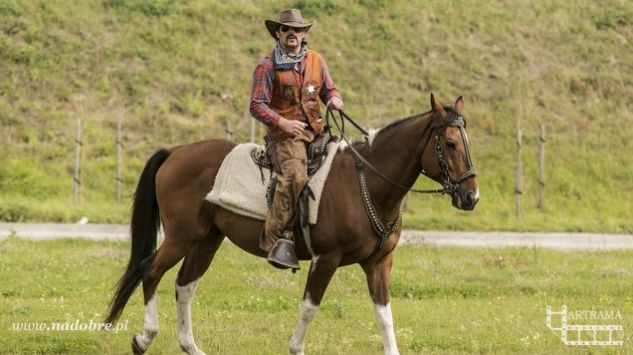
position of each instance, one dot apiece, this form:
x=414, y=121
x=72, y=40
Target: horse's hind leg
x=195, y=265
x=167, y=255
x=321, y=271
x=378, y=279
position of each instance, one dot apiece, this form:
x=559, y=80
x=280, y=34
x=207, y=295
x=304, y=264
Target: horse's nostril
x=470, y=198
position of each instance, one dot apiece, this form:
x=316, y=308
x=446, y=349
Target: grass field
x=444, y=300
x=174, y=72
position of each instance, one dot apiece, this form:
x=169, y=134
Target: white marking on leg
x=314, y=263
x=185, y=333
x=145, y=338
x=385, y=323
x=298, y=341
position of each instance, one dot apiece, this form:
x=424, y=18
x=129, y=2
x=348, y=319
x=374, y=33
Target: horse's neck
x=394, y=152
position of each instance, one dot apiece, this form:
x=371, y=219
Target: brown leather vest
x=295, y=99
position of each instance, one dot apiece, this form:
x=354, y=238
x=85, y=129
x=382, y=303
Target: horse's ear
x=437, y=108
x=459, y=105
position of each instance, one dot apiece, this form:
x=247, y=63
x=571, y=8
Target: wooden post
x=229, y=132
x=77, y=172
x=405, y=203
x=118, y=162
x=541, y=170
x=519, y=175
x=252, y=139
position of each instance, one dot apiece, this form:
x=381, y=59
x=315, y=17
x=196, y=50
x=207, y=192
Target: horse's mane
x=397, y=123
x=449, y=109
x=452, y=113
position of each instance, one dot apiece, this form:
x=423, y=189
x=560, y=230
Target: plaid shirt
x=262, y=90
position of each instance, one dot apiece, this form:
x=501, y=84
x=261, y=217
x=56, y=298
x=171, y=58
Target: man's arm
x=329, y=93
x=261, y=94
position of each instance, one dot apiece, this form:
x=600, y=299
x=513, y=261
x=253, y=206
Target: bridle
x=451, y=187
x=448, y=187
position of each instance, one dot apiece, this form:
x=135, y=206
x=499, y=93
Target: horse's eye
x=450, y=145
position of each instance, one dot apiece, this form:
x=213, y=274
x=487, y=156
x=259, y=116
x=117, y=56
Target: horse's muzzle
x=465, y=200
x=470, y=201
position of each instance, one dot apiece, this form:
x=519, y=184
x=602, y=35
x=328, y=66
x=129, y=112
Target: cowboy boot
x=282, y=255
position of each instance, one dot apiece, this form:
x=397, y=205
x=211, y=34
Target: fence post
x=252, y=139
x=519, y=174
x=118, y=161
x=541, y=170
x=229, y=132
x=406, y=202
x=77, y=172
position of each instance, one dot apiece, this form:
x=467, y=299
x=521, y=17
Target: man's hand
x=336, y=104
x=293, y=127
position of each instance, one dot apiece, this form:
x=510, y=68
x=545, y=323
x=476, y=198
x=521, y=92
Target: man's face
x=290, y=37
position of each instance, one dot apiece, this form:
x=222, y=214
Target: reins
x=448, y=187
x=361, y=160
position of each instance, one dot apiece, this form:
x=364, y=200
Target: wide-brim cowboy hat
x=291, y=18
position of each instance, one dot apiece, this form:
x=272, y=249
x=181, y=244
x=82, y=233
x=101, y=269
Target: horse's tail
x=144, y=227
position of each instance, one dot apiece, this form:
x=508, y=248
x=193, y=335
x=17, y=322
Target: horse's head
x=446, y=158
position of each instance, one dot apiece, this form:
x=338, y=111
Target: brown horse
x=174, y=183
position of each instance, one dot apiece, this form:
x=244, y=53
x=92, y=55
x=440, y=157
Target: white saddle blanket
x=238, y=187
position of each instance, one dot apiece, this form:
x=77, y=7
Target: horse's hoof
x=136, y=347
x=191, y=350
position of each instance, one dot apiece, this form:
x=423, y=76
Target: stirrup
x=283, y=256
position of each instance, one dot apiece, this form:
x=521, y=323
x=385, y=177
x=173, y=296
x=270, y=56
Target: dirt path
x=559, y=241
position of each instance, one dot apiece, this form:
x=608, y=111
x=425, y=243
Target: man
x=286, y=87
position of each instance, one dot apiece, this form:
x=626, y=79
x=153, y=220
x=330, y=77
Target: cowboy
x=287, y=85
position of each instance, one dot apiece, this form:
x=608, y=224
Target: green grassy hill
x=174, y=72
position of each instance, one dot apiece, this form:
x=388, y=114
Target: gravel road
x=558, y=241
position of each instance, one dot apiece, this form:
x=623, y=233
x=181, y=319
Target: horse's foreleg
x=321, y=271
x=195, y=265
x=378, y=279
